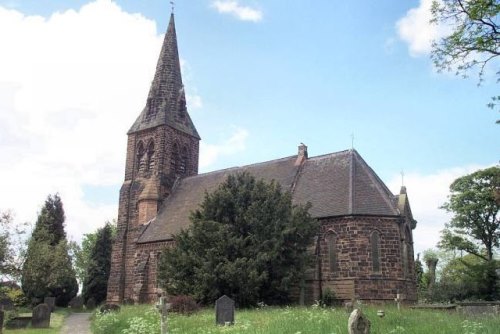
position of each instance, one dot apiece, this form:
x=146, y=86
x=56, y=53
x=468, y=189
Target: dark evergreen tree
x=247, y=241
x=95, y=283
x=47, y=270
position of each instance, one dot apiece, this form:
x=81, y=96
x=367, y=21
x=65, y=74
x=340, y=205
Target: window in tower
x=174, y=159
x=140, y=157
x=184, y=161
x=151, y=156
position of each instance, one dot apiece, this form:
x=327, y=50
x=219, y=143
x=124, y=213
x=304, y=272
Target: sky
x=260, y=76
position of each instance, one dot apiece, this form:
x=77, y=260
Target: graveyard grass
x=293, y=320
x=56, y=322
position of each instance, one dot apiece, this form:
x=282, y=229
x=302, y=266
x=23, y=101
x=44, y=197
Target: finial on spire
x=352, y=141
x=402, y=178
x=173, y=5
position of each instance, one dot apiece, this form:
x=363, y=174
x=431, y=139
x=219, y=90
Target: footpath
x=77, y=323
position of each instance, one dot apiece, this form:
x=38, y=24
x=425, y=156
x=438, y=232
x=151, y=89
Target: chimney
x=301, y=155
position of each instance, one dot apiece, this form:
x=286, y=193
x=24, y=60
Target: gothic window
x=174, y=159
x=375, y=245
x=140, y=156
x=331, y=240
x=150, y=156
x=184, y=161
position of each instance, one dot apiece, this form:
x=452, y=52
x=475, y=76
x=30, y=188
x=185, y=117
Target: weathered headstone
x=224, y=311
x=76, y=303
x=6, y=304
x=110, y=308
x=51, y=301
x=349, y=307
x=358, y=323
x=41, y=316
x=90, y=305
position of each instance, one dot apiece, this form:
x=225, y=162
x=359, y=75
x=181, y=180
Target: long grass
x=294, y=320
x=56, y=322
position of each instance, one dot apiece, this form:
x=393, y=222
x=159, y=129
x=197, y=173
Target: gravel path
x=77, y=323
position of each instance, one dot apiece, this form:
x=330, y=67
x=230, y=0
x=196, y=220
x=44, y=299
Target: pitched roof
x=166, y=103
x=335, y=184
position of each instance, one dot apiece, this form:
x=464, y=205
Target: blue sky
x=261, y=77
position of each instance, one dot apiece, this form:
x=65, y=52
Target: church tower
x=162, y=147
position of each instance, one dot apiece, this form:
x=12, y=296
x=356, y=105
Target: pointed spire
x=166, y=102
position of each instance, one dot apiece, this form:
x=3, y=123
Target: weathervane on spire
x=173, y=6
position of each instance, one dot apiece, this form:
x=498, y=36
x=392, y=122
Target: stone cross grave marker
x=224, y=311
x=41, y=316
x=358, y=323
x=51, y=301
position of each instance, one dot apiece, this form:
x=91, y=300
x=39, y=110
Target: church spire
x=166, y=102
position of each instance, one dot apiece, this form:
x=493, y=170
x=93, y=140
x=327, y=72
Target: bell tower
x=162, y=146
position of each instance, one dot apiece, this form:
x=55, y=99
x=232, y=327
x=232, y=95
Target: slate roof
x=336, y=184
x=166, y=103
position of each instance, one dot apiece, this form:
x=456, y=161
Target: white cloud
x=416, y=30
x=426, y=194
x=71, y=85
x=232, y=7
x=209, y=153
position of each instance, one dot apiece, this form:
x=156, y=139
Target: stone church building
x=365, y=246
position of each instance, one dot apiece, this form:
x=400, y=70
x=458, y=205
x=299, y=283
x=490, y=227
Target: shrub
x=328, y=298
x=183, y=305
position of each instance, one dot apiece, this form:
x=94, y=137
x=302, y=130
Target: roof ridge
x=239, y=167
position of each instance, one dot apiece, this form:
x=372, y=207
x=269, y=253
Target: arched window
x=375, y=245
x=174, y=159
x=331, y=241
x=150, y=156
x=183, y=162
x=140, y=156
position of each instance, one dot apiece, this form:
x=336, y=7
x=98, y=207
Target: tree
x=474, y=227
x=475, y=38
x=47, y=270
x=246, y=240
x=12, y=247
x=95, y=282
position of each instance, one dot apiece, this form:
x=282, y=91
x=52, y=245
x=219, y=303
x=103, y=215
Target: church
x=364, y=249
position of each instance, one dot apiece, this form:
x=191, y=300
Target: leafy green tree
x=474, y=227
x=47, y=270
x=12, y=247
x=474, y=40
x=246, y=240
x=419, y=273
x=95, y=282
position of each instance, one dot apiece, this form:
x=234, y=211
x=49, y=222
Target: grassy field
x=295, y=320
x=56, y=322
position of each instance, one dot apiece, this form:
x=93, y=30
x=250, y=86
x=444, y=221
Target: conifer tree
x=47, y=270
x=95, y=283
x=246, y=240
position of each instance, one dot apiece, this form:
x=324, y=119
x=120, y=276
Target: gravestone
x=224, y=311
x=6, y=304
x=41, y=316
x=110, y=308
x=51, y=301
x=76, y=303
x=358, y=323
x=90, y=304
